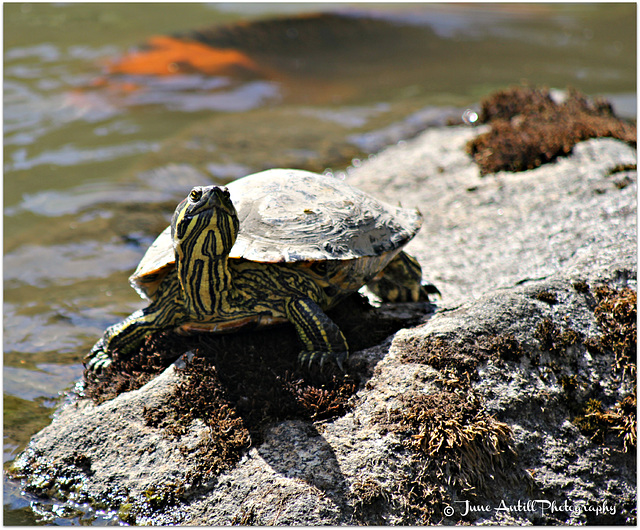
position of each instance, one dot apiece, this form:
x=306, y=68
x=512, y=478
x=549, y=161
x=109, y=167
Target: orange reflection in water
x=168, y=56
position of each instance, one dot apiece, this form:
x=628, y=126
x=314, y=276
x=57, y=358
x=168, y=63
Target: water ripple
x=242, y=98
x=67, y=264
x=45, y=382
x=69, y=155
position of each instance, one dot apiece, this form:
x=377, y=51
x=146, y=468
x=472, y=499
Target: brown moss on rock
x=200, y=396
x=322, y=402
x=369, y=498
x=461, y=439
x=581, y=286
x=131, y=373
x=265, y=387
x=505, y=347
x=462, y=451
x=555, y=340
x=442, y=353
x=616, y=314
x=548, y=297
x=240, y=384
x=621, y=420
x=529, y=128
x=460, y=356
x=615, y=311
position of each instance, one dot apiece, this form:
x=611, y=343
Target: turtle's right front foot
x=311, y=358
x=98, y=359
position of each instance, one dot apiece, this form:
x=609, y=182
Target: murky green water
x=90, y=172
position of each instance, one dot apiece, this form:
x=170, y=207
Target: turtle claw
x=340, y=358
x=98, y=359
x=305, y=357
x=308, y=358
x=428, y=288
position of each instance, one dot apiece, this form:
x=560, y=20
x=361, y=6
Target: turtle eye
x=320, y=268
x=195, y=195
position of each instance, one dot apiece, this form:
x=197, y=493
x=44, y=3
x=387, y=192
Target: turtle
x=281, y=245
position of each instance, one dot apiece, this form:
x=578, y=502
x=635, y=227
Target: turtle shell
x=289, y=215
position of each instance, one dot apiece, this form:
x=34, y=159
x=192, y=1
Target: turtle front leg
x=98, y=358
x=321, y=337
x=128, y=336
x=124, y=337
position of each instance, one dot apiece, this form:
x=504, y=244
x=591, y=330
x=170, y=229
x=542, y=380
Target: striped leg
x=123, y=337
x=321, y=337
x=400, y=281
x=127, y=336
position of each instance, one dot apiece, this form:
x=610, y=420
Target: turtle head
x=205, y=224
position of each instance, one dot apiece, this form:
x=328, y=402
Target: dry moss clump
x=202, y=397
x=460, y=356
x=369, y=499
x=547, y=297
x=555, y=340
x=616, y=313
x=132, y=372
x=505, y=347
x=528, y=128
x=596, y=422
x=462, y=451
x=465, y=445
x=442, y=353
x=324, y=401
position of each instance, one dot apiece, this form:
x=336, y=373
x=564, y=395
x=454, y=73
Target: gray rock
x=485, y=233
x=491, y=245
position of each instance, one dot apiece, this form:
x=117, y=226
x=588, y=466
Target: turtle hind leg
x=401, y=281
x=321, y=337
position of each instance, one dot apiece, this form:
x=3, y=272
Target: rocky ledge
x=513, y=403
